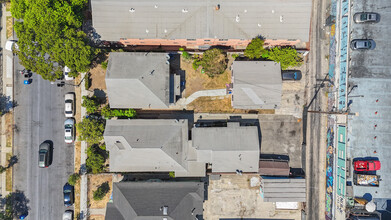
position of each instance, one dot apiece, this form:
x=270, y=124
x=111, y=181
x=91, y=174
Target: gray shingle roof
x=197, y=19
x=256, y=84
x=138, y=80
x=135, y=200
x=228, y=148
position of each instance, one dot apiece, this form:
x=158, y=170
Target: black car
x=291, y=75
x=44, y=155
x=68, y=195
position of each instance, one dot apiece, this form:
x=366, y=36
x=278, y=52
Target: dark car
x=68, y=195
x=44, y=155
x=291, y=75
x=366, y=17
x=363, y=44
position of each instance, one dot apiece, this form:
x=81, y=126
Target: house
x=158, y=145
x=228, y=149
x=200, y=24
x=140, y=80
x=156, y=200
x=163, y=145
x=256, y=85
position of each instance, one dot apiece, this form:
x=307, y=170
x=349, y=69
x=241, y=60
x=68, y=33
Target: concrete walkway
x=183, y=102
x=83, y=157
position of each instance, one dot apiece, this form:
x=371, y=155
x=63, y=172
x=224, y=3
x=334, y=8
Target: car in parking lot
x=291, y=75
x=68, y=195
x=44, y=155
x=69, y=105
x=67, y=215
x=363, y=44
x=367, y=165
x=366, y=17
x=69, y=127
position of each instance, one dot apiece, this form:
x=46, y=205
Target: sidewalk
x=83, y=157
x=7, y=91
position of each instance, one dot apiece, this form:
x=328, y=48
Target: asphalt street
x=39, y=116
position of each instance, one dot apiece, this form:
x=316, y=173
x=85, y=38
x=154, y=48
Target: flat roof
x=197, y=19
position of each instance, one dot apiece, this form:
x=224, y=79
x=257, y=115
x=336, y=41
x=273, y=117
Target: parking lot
x=369, y=86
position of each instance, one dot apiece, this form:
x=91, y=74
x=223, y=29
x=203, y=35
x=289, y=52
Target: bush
x=87, y=83
x=2, y=169
x=73, y=179
x=186, y=55
x=90, y=130
x=95, y=159
x=102, y=190
x=196, y=64
x=254, y=49
x=171, y=174
x=107, y=112
x=181, y=49
x=90, y=103
x=104, y=64
x=286, y=56
x=213, y=62
x=235, y=55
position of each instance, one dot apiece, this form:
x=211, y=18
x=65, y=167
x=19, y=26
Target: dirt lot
x=195, y=80
x=9, y=24
x=232, y=197
x=94, y=181
x=9, y=128
x=96, y=217
x=98, y=75
x=220, y=105
x=8, y=175
x=8, y=6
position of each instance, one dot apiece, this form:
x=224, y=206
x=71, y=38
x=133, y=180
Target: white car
x=69, y=105
x=68, y=215
x=69, y=126
x=66, y=73
x=11, y=45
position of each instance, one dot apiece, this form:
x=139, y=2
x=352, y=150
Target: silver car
x=363, y=44
x=366, y=17
x=69, y=126
x=69, y=105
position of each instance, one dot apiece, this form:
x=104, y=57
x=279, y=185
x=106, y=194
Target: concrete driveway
x=39, y=117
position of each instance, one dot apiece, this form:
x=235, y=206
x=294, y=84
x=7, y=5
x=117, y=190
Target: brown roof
x=273, y=168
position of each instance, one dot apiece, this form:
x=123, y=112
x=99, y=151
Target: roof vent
x=132, y=10
x=185, y=10
x=272, y=11
x=151, y=73
x=259, y=25
x=164, y=209
x=237, y=18
x=146, y=31
x=155, y=6
x=167, y=62
x=245, y=10
x=281, y=18
x=217, y=7
x=165, y=30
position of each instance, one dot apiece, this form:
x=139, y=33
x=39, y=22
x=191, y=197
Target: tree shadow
x=105, y=187
x=6, y=104
x=16, y=204
x=12, y=161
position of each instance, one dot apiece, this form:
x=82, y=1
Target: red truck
x=367, y=165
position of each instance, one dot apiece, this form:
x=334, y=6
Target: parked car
x=69, y=126
x=68, y=215
x=291, y=75
x=66, y=73
x=366, y=17
x=27, y=81
x=44, y=155
x=68, y=195
x=11, y=45
x=363, y=44
x=69, y=105
x=367, y=165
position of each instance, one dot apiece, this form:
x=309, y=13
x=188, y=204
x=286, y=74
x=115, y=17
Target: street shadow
x=50, y=151
x=12, y=161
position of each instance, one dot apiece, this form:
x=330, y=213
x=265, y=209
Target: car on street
x=366, y=17
x=69, y=126
x=68, y=215
x=66, y=73
x=367, y=165
x=27, y=81
x=69, y=105
x=44, y=155
x=68, y=195
x=363, y=44
x=291, y=75
x=11, y=45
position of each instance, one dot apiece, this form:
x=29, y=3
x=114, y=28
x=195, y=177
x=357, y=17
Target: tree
x=50, y=36
x=95, y=159
x=101, y=191
x=15, y=206
x=213, y=62
x=107, y=112
x=90, y=103
x=286, y=56
x=91, y=130
x=254, y=49
x=73, y=179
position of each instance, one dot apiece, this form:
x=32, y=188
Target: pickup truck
x=366, y=180
x=367, y=165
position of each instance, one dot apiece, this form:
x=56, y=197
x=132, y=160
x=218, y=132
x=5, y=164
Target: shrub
x=87, y=83
x=196, y=64
x=235, y=55
x=254, y=49
x=2, y=169
x=107, y=112
x=171, y=174
x=73, y=179
x=286, y=56
x=186, y=55
x=101, y=191
x=90, y=103
x=104, y=64
x=181, y=49
x=90, y=130
x=213, y=62
x=95, y=159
